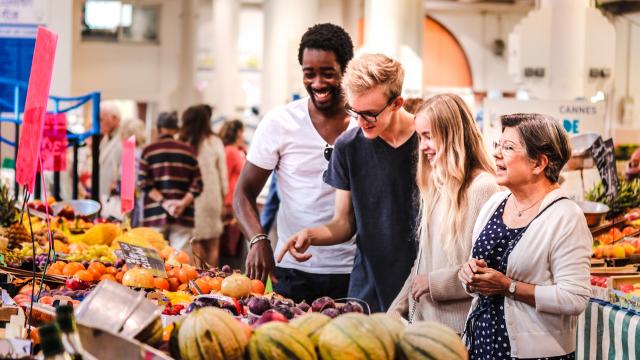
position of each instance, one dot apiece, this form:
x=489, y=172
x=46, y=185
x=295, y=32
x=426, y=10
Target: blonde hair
x=133, y=127
x=370, y=70
x=461, y=154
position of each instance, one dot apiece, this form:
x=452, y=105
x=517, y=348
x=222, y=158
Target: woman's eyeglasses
x=328, y=150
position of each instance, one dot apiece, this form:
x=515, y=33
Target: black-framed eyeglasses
x=328, y=150
x=370, y=118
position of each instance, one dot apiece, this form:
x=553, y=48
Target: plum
x=351, y=306
x=320, y=304
x=76, y=284
x=331, y=312
x=270, y=315
x=284, y=310
x=227, y=270
x=304, y=306
x=258, y=305
x=297, y=311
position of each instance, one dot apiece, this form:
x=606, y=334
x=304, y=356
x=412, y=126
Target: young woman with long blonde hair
x=455, y=178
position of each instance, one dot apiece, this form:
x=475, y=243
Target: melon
x=355, y=336
x=389, y=323
x=211, y=333
x=432, y=340
x=236, y=286
x=277, y=340
x=101, y=234
x=311, y=325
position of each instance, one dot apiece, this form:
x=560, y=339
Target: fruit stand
x=609, y=325
x=137, y=297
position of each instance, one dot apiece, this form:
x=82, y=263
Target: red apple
x=270, y=315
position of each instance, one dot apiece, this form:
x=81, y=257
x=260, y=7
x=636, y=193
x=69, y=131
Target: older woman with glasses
x=529, y=267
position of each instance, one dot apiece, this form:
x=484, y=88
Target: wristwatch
x=511, y=291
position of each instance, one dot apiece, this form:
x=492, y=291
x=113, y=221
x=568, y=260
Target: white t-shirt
x=287, y=141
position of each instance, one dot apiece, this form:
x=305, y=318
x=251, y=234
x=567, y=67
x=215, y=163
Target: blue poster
x=16, y=51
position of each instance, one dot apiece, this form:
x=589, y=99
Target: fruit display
x=11, y=231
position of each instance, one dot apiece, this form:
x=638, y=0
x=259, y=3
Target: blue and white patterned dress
x=490, y=337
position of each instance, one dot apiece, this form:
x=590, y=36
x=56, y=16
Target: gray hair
x=542, y=135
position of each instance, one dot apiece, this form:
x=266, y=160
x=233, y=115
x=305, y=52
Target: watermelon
x=277, y=340
x=432, y=340
x=211, y=333
x=311, y=325
x=355, y=336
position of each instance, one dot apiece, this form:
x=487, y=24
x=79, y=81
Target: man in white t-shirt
x=296, y=141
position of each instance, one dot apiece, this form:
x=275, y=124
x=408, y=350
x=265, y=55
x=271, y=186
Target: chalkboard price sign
x=602, y=152
x=146, y=258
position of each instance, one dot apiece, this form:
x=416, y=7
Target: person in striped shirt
x=170, y=178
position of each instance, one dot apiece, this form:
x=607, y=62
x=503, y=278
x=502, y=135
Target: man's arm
x=339, y=230
x=260, y=257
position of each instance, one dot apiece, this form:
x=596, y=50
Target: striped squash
x=355, y=336
x=433, y=341
x=311, y=325
x=211, y=333
x=277, y=340
x=391, y=324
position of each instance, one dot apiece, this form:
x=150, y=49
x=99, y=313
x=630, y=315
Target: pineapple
x=11, y=231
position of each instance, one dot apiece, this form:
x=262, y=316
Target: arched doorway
x=444, y=61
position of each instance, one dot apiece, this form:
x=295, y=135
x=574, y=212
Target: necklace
x=523, y=210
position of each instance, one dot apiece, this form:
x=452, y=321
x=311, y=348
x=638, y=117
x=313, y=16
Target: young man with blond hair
x=373, y=169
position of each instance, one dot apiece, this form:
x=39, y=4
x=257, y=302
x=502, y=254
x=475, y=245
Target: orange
x=98, y=266
x=166, y=252
x=173, y=283
x=53, y=271
x=182, y=257
x=108, y=277
x=95, y=273
x=203, y=285
x=257, y=286
x=185, y=274
x=72, y=268
x=162, y=284
x=172, y=272
x=112, y=270
x=183, y=287
x=216, y=283
x=125, y=268
x=119, y=276
x=84, y=275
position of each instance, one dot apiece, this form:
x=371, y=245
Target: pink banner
x=35, y=107
x=128, y=178
x=53, y=151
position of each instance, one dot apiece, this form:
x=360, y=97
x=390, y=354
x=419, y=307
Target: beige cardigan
x=446, y=302
x=554, y=255
x=208, y=206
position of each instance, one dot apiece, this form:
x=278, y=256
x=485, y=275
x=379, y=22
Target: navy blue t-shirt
x=385, y=204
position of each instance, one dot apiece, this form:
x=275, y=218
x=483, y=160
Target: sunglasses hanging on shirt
x=328, y=150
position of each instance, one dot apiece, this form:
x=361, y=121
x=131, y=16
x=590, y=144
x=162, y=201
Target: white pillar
x=395, y=29
x=60, y=20
x=186, y=93
x=567, y=45
x=225, y=85
x=282, y=76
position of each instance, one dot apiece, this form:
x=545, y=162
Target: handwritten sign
x=602, y=152
x=35, y=107
x=127, y=179
x=53, y=150
x=146, y=258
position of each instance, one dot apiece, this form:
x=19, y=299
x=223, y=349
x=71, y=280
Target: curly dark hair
x=328, y=37
x=196, y=125
x=229, y=131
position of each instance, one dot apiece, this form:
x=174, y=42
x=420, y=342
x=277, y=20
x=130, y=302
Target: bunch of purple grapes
x=41, y=260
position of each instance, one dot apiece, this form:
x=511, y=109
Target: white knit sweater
x=446, y=303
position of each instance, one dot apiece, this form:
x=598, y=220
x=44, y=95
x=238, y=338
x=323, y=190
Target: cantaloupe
x=277, y=340
x=433, y=341
x=311, y=325
x=355, y=336
x=211, y=333
x=101, y=234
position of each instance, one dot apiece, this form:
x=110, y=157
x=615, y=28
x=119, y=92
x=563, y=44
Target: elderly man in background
x=110, y=148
